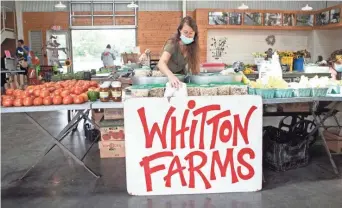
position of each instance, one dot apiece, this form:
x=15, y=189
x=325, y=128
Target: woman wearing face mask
x=181, y=52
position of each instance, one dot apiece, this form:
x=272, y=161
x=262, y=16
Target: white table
x=82, y=113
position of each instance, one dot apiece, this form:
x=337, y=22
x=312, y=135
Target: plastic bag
x=174, y=92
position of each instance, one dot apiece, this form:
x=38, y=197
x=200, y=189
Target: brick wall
x=154, y=29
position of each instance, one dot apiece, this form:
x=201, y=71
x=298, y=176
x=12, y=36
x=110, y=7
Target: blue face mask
x=338, y=67
x=186, y=40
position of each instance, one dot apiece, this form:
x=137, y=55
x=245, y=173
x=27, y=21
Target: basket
x=251, y=91
x=283, y=93
x=287, y=61
x=302, y=92
x=319, y=92
x=284, y=150
x=265, y=93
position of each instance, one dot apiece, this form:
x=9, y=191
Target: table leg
x=57, y=142
x=321, y=124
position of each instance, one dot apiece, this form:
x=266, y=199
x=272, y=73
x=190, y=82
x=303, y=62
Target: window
x=88, y=45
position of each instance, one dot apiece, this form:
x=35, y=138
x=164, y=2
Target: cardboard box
x=295, y=107
x=112, y=149
x=97, y=114
x=113, y=114
x=112, y=130
x=333, y=139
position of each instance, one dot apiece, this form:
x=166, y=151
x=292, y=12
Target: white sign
x=193, y=145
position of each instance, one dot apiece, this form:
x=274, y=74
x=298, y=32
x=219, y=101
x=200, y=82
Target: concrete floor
x=57, y=181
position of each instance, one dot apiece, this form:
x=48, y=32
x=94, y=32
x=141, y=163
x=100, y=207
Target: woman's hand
x=174, y=81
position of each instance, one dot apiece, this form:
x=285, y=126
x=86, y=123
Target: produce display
x=279, y=88
x=50, y=93
x=192, y=90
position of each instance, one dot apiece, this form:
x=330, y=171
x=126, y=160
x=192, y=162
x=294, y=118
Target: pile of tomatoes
x=50, y=93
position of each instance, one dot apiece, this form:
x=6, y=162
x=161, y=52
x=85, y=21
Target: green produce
x=93, y=95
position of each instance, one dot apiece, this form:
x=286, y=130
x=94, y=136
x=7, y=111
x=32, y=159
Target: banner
x=193, y=145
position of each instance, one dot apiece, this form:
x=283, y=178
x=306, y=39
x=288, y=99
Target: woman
x=181, y=52
x=108, y=57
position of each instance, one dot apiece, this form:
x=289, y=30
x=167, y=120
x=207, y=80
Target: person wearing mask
x=22, y=53
x=181, y=52
x=108, y=57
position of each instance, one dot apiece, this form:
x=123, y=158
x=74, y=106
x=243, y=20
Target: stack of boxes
x=112, y=143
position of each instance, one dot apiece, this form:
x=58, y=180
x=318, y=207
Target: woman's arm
x=162, y=66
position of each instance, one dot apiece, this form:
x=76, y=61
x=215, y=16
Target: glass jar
x=116, y=91
x=104, y=92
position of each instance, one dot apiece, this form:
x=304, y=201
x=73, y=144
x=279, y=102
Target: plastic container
x=157, y=73
x=265, y=93
x=156, y=92
x=251, y=91
x=223, y=89
x=298, y=64
x=238, y=90
x=283, y=93
x=193, y=90
x=139, y=91
x=142, y=72
x=319, y=92
x=302, y=92
x=208, y=90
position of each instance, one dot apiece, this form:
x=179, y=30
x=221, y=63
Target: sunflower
x=68, y=62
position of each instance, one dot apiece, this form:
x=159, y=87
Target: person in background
x=3, y=75
x=22, y=52
x=108, y=57
x=181, y=52
x=144, y=59
x=321, y=62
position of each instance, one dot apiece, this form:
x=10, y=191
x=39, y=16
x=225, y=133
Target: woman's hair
x=192, y=49
x=108, y=46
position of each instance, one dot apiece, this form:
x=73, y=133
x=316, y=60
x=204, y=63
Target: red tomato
x=30, y=90
x=47, y=101
x=57, y=92
x=65, y=93
x=38, y=101
x=7, y=102
x=51, y=89
x=18, y=102
x=93, y=84
x=85, y=97
x=78, y=99
x=57, y=100
x=28, y=101
x=36, y=93
x=67, y=100
x=44, y=93
x=78, y=90
x=27, y=93
x=9, y=92
x=17, y=93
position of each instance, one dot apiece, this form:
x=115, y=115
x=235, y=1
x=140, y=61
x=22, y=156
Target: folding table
x=82, y=113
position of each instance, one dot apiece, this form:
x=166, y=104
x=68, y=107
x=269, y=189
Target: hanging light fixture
x=307, y=8
x=132, y=5
x=60, y=5
x=243, y=6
